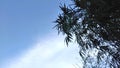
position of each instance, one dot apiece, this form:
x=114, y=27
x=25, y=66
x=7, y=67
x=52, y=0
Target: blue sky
x=26, y=30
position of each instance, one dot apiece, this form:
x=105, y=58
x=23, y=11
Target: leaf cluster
x=94, y=24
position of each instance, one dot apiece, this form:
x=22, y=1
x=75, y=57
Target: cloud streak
x=48, y=52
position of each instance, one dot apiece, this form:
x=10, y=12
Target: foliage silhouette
x=95, y=24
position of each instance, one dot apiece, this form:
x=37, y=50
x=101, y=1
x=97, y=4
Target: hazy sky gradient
x=21, y=21
x=23, y=24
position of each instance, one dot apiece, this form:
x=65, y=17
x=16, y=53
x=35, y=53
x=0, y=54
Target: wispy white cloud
x=48, y=52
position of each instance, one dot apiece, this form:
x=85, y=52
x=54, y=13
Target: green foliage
x=95, y=24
